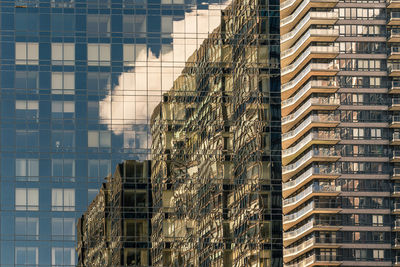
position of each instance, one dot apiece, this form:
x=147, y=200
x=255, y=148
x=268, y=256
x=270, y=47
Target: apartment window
x=26, y=256
x=98, y=24
x=27, y=80
x=63, y=53
x=26, y=53
x=376, y=133
x=27, y=138
x=27, y=109
x=98, y=54
x=377, y=220
x=63, y=169
x=27, y=169
x=63, y=199
x=63, y=83
x=27, y=227
x=27, y=199
x=61, y=257
x=63, y=228
x=98, y=83
x=62, y=109
x=378, y=254
x=134, y=24
x=63, y=140
x=176, y=2
x=99, y=168
x=99, y=139
x=136, y=257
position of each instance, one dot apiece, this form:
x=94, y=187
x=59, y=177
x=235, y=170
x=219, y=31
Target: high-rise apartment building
x=216, y=149
x=79, y=81
x=339, y=123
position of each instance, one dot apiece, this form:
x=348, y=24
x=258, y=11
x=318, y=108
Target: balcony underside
x=290, y=257
x=394, y=90
x=313, y=3
x=394, y=21
x=394, y=56
x=394, y=39
x=395, y=72
x=395, y=107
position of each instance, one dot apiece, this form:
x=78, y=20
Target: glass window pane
x=20, y=167
x=93, y=52
x=69, y=51
x=93, y=139
x=56, y=51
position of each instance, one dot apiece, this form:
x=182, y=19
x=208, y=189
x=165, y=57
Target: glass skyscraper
x=79, y=80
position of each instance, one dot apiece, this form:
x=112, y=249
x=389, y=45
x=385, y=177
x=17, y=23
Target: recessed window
x=63, y=199
x=26, y=53
x=63, y=53
x=98, y=54
x=27, y=199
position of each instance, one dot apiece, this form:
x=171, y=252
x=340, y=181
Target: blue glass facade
x=79, y=80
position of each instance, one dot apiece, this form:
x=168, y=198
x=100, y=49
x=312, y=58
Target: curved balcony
x=287, y=7
x=396, y=190
x=320, y=120
x=320, y=35
x=314, y=242
x=289, y=21
x=314, y=103
x=396, y=225
x=395, y=121
x=313, y=17
x=395, y=138
x=312, y=52
x=313, y=207
x=397, y=261
x=320, y=154
x=291, y=203
x=394, y=18
x=395, y=156
x=320, y=137
x=394, y=52
x=396, y=208
x=317, y=260
x=313, y=86
x=312, y=69
x=292, y=236
x=394, y=69
x=315, y=172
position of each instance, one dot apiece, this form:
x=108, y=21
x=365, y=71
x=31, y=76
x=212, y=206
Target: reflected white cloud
x=139, y=91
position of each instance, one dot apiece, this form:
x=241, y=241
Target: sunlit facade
x=79, y=81
x=216, y=149
x=339, y=137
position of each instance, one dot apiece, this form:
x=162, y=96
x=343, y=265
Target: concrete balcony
x=397, y=261
x=394, y=36
x=313, y=86
x=315, y=172
x=395, y=174
x=313, y=17
x=320, y=120
x=394, y=18
x=396, y=208
x=291, y=203
x=394, y=52
x=393, y=3
x=317, y=260
x=312, y=52
x=287, y=7
x=312, y=69
x=314, y=103
x=396, y=190
x=396, y=226
x=315, y=242
x=320, y=155
x=320, y=35
x=394, y=87
x=289, y=21
x=395, y=123
x=395, y=156
x=394, y=69
x=395, y=138
x=395, y=105
x=320, y=137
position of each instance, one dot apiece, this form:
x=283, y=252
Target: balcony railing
x=396, y=207
x=314, y=188
x=395, y=15
x=396, y=154
x=396, y=119
x=298, y=214
x=306, y=122
x=393, y=67
x=394, y=33
x=311, y=66
x=396, y=172
x=304, y=21
x=308, y=86
x=320, y=135
x=320, y=152
x=309, y=243
x=322, y=169
x=312, y=101
x=313, y=259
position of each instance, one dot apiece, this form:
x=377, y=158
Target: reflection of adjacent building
x=115, y=231
x=216, y=151
x=336, y=138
